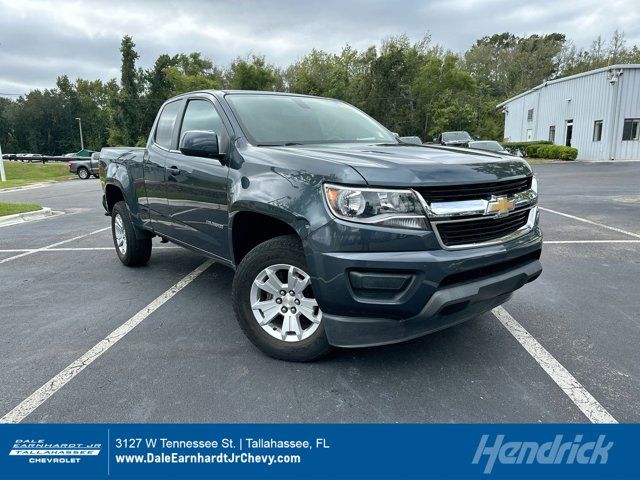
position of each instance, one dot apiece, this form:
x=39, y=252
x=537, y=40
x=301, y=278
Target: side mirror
x=200, y=143
x=477, y=137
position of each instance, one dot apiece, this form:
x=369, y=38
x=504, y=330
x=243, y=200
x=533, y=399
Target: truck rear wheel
x=83, y=173
x=274, y=302
x=132, y=251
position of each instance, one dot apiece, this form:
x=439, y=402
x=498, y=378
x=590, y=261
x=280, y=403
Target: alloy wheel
x=283, y=303
x=121, y=234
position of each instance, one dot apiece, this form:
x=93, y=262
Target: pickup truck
x=86, y=167
x=339, y=233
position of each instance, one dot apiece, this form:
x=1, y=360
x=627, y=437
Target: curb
x=31, y=186
x=25, y=217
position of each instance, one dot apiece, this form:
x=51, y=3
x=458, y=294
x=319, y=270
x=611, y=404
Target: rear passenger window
x=164, y=130
x=202, y=115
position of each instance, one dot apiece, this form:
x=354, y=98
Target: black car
x=454, y=139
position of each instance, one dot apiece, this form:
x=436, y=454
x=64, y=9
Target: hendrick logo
x=548, y=453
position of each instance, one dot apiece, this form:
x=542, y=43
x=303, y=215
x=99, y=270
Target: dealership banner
x=319, y=451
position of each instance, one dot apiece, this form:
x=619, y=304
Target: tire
x=310, y=342
x=83, y=173
x=132, y=251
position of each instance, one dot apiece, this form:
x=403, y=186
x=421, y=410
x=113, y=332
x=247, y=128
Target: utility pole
x=81, y=140
x=3, y=177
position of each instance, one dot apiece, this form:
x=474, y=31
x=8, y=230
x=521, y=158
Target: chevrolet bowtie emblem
x=500, y=206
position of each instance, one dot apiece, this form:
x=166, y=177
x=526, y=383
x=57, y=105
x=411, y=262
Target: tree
x=192, y=72
x=251, y=73
x=445, y=94
x=393, y=73
x=126, y=125
x=323, y=74
x=159, y=88
x=505, y=64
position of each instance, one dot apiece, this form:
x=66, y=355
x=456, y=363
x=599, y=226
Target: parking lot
x=63, y=292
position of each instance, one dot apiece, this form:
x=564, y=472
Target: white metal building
x=597, y=112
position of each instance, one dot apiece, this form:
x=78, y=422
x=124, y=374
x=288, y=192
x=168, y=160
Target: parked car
x=8, y=156
x=414, y=140
x=454, y=139
x=31, y=158
x=490, y=146
x=339, y=234
x=85, y=168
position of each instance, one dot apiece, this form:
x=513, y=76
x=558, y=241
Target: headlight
x=389, y=208
x=534, y=184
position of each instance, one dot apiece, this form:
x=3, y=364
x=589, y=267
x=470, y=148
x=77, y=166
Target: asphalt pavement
x=188, y=361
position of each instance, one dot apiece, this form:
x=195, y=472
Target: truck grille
x=454, y=193
x=480, y=230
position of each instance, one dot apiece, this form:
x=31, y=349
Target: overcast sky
x=40, y=40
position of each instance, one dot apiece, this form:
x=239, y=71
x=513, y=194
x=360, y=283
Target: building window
x=530, y=115
x=597, y=130
x=631, y=129
x=552, y=134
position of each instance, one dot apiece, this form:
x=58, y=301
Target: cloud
x=40, y=40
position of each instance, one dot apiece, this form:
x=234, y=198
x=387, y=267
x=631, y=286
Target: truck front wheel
x=274, y=302
x=132, y=251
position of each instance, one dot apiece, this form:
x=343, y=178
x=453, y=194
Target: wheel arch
x=251, y=227
x=113, y=194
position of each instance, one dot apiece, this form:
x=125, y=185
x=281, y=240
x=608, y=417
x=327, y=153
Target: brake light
x=69, y=164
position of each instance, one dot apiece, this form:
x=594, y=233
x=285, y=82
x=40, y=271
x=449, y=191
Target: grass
x=12, y=208
x=20, y=174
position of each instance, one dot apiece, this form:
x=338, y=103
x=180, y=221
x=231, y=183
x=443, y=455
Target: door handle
x=173, y=170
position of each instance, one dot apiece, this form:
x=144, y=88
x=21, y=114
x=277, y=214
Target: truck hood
x=400, y=165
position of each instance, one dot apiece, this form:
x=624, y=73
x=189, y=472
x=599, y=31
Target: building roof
x=571, y=77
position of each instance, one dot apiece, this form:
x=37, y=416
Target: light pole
x=81, y=140
x=3, y=177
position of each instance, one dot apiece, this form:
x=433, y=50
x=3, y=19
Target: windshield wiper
x=288, y=144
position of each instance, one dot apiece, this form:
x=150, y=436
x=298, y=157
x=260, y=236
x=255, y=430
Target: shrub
x=532, y=150
x=521, y=147
x=556, y=152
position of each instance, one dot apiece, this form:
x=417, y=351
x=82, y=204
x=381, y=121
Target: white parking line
x=591, y=222
x=73, y=249
x=41, y=395
x=29, y=252
x=579, y=395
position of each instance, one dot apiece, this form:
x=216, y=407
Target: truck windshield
x=289, y=120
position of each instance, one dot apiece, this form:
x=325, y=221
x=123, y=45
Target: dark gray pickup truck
x=339, y=233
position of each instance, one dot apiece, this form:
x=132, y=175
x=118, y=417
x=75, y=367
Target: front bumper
x=409, y=294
